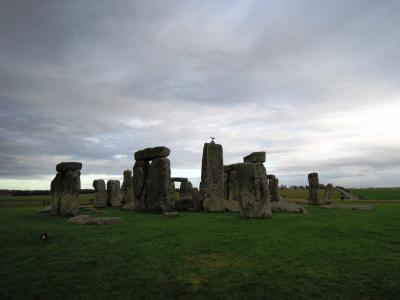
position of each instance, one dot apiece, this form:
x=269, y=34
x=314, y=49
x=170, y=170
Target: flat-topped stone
x=255, y=157
x=71, y=165
x=179, y=179
x=232, y=167
x=152, y=153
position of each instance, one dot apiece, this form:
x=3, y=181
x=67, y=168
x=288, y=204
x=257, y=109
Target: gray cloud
x=314, y=83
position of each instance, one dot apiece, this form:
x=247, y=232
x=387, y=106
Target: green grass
x=378, y=193
x=329, y=254
x=24, y=201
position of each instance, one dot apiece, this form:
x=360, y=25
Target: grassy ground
x=378, y=193
x=326, y=254
x=297, y=194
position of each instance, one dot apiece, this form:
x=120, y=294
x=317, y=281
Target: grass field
x=378, y=193
x=325, y=254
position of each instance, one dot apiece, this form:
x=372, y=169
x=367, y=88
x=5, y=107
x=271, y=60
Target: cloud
x=314, y=84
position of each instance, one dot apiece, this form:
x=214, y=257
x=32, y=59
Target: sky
x=315, y=84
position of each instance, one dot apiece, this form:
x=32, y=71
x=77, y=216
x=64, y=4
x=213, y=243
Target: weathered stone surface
x=185, y=201
x=65, y=188
x=255, y=157
x=100, y=198
x=231, y=205
x=196, y=199
x=313, y=188
x=128, y=195
x=282, y=206
x=158, y=186
x=254, y=199
x=328, y=198
x=350, y=207
x=88, y=220
x=212, y=178
x=152, y=153
x=140, y=173
x=65, y=166
x=179, y=179
x=273, y=184
x=171, y=214
x=114, y=195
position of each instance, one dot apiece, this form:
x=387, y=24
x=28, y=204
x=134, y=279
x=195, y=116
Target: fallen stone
x=88, y=220
x=350, y=207
x=287, y=207
x=171, y=214
x=65, y=166
x=255, y=157
x=45, y=210
x=152, y=153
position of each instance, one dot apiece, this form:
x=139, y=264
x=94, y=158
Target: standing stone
x=313, y=189
x=128, y=195
x=212, y=178
x=254, y=198
x=185, y=201
x=100, y=200
x=328, y=193
x=196, y=199
x=158, y=186
x=140, y=173
x=255, y=157
x=114, y=195
x=273, y=184
x=65, y=188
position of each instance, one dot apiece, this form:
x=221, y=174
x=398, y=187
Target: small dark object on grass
x=43, y=236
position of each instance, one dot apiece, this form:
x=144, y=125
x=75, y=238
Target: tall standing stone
x=212, y=177
x=65, y=188
x=329, y=193
x=313, y=188
x=158, y=186
x=114, y=195
x=196, y=199
x=273, y=184
x=128, y=195
x=140, y=173
x=254, y=198
x=100, y=200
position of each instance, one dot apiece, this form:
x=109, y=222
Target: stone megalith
x=100, y=199
x=196, y=199
x=255, y=157
x=128, y=195
x=140, y=173
x=185, y=201
x=114, y=195
x=254, y=198
x=158, y=186
x=212, y=178
x=65, y=188
x=152, y=153
x=179, y=179
x=273, y=184
x=313, y=188
x=328, y=199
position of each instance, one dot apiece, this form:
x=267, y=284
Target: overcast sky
x=316, y=84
